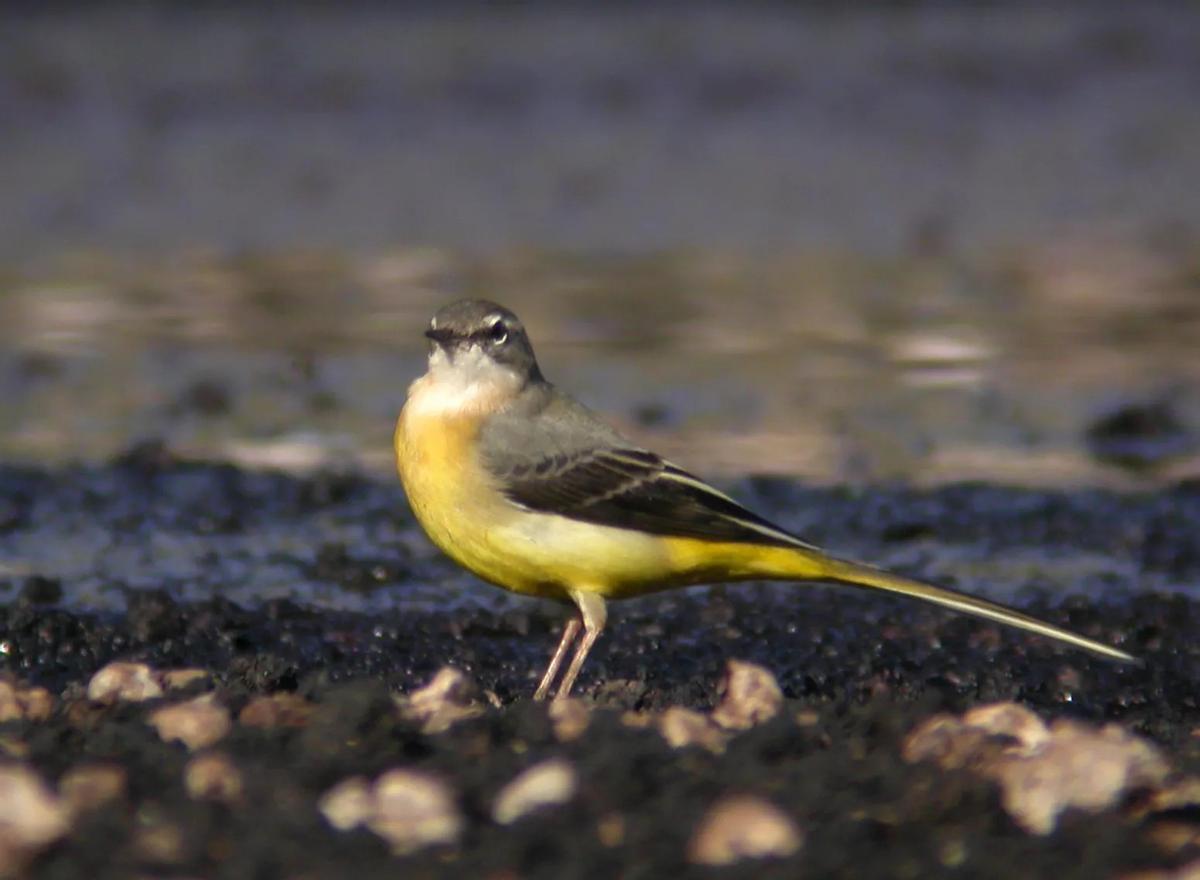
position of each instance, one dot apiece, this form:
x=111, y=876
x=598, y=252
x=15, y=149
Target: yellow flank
x=541, y=554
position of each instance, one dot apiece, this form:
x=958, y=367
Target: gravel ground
x=830, y=735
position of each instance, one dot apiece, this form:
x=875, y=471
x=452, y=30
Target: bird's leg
x=591, y=608
x=569, y=632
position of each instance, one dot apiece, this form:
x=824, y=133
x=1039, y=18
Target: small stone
x=19, y=703
x=10, y=706
x=196, y=723
x=743, y=827
x=948, y=742
x=413, y=811
x=570, y=718
x=409, y=810
x=91, y=786
x=130, y=682
x=683, y=727
x=1009, y=719
x=36, y=702
x=751, y=696
x=348, y=804
x=276, y=710
x=213, y=777
x=31, y=817
x=1042, y=771
x=547, y=784
x=178, y=679
x=1079, y=767
x=449, y=697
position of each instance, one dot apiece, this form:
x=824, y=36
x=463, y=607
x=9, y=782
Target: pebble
x=1081, y=767
x=1009, y=719
x=19, y=703
x=743, y=827
x=547, y=784
x=408, y=809
x=196, y=723
x=449, y=697
x=1042, y=771
x=178, y=679
x=31, y=817
x=750, y=696
x=413, y=810
x=570, y=717
x=348, y=804
x=213, y=777
x=124, y=682
x=685, y=727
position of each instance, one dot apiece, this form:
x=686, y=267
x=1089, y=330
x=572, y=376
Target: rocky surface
x=762, y=728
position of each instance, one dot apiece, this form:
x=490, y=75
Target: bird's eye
x=498, y=332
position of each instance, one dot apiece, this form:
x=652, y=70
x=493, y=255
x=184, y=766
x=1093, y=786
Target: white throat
x=470, y=382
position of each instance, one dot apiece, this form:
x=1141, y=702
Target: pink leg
x=569, y=632
x=594, y=613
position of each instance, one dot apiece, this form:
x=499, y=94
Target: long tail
x=856, y=574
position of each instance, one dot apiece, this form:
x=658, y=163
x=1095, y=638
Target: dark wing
x=634, y=489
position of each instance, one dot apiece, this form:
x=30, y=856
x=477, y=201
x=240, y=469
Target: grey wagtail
x=530, y=490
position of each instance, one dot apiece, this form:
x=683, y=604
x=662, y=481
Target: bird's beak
x=439, y=335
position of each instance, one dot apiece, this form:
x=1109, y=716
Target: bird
x=530, y=490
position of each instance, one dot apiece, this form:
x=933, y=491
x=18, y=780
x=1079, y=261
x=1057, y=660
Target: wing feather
x=635, y=489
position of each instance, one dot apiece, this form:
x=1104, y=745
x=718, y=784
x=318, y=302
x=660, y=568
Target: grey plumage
x=549, y=453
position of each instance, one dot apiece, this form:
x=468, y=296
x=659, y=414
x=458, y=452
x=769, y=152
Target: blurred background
x=847, y=242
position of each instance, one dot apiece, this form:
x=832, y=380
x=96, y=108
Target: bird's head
x=481, y=341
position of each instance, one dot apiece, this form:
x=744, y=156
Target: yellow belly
x=463, y=513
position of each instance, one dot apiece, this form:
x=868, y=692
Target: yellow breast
x=452, y=495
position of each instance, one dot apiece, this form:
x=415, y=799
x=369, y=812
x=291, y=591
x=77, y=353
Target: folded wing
x=634, y=489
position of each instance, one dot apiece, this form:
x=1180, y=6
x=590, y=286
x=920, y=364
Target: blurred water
x=836, y=369
x=927, y=243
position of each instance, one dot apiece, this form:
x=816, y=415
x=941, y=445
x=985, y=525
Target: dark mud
x=864, y=670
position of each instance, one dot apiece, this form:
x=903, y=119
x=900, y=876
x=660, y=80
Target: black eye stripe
x=494, y=333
